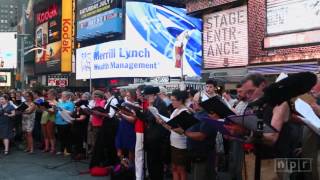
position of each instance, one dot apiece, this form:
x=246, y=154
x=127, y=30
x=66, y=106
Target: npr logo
x=293, y=165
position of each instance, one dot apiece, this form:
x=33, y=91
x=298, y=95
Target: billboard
x=89, y=8
x=101, y=24
x=288, y=16
x=8, y=50
x=5, y=79
x=67, y=35
x=54, y=36
x=48, y=37
x=225, y=38
x=98, y=17
x=155, y=35
x=58, y=80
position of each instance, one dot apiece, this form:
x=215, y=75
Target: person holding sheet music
x=96, y=120
x=104, y=151
x=63, y=127
x=156, y=141
x=50, y=126
x=179, y=157
x=7, y=113
x=139, y=127
x=79, y=128
x=15, y=100
x=200, y=144
x=270, y=145
x=28, y=120
x=47, y=124
x=126, y=138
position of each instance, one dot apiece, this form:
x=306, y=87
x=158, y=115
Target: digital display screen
x=159, y=41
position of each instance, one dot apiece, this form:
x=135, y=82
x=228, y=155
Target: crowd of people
x=122, y=134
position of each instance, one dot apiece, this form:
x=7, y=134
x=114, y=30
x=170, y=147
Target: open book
x=184, y=120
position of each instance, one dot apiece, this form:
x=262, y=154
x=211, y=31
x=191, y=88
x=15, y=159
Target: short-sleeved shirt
x=69, y=106
x=205, y=145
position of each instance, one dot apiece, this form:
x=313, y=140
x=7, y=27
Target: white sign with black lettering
x=225, y=38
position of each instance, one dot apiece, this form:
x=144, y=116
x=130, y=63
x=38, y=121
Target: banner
x=66, y=38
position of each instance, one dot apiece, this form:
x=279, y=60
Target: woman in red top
x=96, y=120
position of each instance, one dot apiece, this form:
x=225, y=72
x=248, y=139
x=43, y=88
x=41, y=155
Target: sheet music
x=281, y=76
x=155, y=112
x=12, y=104
x=66, y=115
x=309, y=116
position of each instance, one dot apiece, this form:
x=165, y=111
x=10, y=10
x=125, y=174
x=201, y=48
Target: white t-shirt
x=177, y=140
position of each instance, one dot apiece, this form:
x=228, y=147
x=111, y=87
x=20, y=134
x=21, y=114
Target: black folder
x=22, y=107
x=215, y=105
x=251, y=122
x=184, y=120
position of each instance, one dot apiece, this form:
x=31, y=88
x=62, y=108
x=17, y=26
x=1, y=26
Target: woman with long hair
x=28, y=120
x=7, y=112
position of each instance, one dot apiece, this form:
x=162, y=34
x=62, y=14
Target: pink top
x=96, y=120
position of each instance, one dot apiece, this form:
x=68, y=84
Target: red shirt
x=139, y=124
x=97, y=120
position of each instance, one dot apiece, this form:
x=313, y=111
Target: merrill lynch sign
x=225, y=38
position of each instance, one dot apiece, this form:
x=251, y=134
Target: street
x=22, y=166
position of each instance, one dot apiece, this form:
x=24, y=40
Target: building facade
x=283, y=36
x=276, y=43
x=8, y=15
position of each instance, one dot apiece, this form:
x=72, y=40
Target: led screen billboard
x=8, y=50
x=157, y=39
x=98, y=17
x=48, y=38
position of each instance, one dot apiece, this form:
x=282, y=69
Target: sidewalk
x=22, y=166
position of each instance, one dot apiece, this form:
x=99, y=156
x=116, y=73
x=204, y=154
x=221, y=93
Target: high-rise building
x=8, y=15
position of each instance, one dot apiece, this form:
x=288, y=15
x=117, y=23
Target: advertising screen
x=287, y=16
x=48, y=38
x=8, y=50
x=159, y=41
x=5, y=79
x=98, y=17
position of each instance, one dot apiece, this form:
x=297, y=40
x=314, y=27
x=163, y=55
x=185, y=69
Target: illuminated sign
x=225, y=38
x=66, y=38
x=101, y=24
x=292, y=16
x=8, y=50
x=152, y=33
x=48, y=14
x=89, y=8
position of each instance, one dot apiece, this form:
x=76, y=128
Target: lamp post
x=90, y=78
